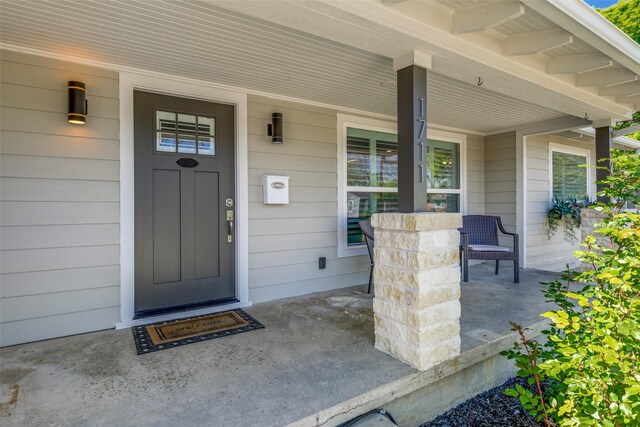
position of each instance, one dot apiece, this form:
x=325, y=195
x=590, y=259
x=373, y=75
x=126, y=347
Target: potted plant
x=568, y=212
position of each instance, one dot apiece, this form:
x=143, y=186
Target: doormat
x=174, y=333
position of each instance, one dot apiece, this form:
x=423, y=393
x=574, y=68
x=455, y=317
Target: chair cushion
x=489, y=248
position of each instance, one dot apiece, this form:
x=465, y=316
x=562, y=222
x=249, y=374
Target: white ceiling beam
x=530, y=43
x=572, y=64
x=631, y=100
x=583, y=21
x=414, y=57
x=570, y=134
x=484, y=16
x=371, y=26
x=626, y=131
x=555, y=125
x=605, y=78
x=624, y=89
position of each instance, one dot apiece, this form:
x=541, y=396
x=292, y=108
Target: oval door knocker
x=186, y=162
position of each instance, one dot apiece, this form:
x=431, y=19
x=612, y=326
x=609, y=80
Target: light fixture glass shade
x=77, y=113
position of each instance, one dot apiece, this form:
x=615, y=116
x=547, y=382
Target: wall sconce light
x=274, y=129
x=77, y=103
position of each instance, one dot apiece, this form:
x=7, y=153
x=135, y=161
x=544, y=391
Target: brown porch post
x=411, y=71
x=604, y=143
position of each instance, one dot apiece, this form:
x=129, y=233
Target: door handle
x=229, y=226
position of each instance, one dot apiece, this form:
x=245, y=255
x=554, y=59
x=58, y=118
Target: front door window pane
x=166, y=142
x=187, y=144
x=166, y=121
x=207, y=126
x=185, y=133
x=206, y=145
x=186, y=123
x=361, y=205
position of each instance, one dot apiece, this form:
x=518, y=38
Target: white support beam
x=604, y=123
x=572, y=64
x=626, y=131
x=414, y=57
x=631, y=100
x=624, y=89
x=530, y=43
x=570, y=134
x=605, y=78
x=554, y=125
x=485, y=16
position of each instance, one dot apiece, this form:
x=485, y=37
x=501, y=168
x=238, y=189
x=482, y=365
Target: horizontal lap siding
x=500, y=179
x=285, y=241
x=475, y=175
x=548, y=254
x=60, y=229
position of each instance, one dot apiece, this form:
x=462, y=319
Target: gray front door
x=184, y=203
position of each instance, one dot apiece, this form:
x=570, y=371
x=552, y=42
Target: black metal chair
x=479, y=240
x=367, y=230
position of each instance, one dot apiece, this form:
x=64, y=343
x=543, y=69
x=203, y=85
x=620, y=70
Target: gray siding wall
x=543, y=253
x=475, y=175
x=285, y=241
x=60, y=201
x=500, y=179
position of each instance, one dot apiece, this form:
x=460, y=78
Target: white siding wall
x=543, y=253
x=60, y=196
x=500, y=180
x=475, y=175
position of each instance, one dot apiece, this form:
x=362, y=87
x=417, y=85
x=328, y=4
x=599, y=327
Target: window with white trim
x=568, y=177
x=369, y=177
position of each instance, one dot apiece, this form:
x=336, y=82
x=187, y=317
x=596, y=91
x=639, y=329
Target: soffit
x=202, y=41
x=535, y=26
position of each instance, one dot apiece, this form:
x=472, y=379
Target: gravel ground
x=491, y=408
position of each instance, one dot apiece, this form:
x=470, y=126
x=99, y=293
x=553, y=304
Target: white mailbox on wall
x=275, y=190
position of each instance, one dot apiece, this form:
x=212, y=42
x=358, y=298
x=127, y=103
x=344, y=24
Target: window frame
x=576, y=151
x=380, y=125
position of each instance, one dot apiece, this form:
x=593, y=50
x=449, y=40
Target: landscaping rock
x=488, y=409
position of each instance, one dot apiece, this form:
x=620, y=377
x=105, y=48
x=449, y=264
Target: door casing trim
x=173, y=86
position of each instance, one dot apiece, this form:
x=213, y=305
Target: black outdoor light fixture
x=77, y=103
x=274, y=129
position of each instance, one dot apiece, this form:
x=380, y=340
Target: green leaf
x=511, y=392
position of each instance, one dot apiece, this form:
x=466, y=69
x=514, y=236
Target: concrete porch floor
x=315, y=353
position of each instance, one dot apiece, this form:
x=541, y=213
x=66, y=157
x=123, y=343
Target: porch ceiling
x=203, y=41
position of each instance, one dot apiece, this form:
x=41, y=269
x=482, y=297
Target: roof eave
x=585, y=22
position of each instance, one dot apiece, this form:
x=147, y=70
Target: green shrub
x=591, y=357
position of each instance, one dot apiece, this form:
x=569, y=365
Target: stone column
x=589, y=218
x=417, y=286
